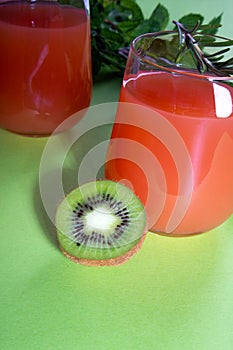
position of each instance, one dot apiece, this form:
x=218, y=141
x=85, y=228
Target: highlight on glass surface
x=45, y=64
x=191, y=138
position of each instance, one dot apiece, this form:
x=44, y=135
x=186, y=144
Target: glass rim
x=182, y=70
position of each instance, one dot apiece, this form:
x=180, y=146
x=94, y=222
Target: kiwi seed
x=100, y=223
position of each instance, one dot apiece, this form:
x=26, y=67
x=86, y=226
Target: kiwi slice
x=100, y=223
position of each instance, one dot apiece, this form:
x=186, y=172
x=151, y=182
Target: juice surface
x=191, y=139
x=45, y=65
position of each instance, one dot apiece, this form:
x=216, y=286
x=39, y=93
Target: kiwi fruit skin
x=107, y=262
x=99, y=254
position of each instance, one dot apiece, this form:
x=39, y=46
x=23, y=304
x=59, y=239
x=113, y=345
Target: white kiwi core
x=101, y=218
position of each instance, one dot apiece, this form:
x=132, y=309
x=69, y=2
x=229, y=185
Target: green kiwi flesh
x=100, y=220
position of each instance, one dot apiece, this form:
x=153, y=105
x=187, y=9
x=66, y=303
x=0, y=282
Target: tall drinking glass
x=45, y=64
x=172, y=139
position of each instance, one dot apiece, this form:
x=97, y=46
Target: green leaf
x=144, y=27
x=156, y=22
x=97, y=15
x=159, y=17
x=213, y=25
x=190, y=20
x=219, y=43
x=113, y=39
x=125, y=16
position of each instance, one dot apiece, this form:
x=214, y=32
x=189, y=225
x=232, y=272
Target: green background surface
x=176, y=293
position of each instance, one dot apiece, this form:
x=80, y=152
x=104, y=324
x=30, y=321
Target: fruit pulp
x=45, y=65
x=190, y=137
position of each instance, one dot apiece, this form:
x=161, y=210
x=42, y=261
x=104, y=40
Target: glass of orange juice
x=172, y=140
x=45, y=64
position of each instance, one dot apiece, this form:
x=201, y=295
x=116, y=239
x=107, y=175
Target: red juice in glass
x=45, y=65
x=183, y=123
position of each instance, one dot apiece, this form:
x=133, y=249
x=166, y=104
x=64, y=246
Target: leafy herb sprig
x=114, y=23
x=196, y=39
